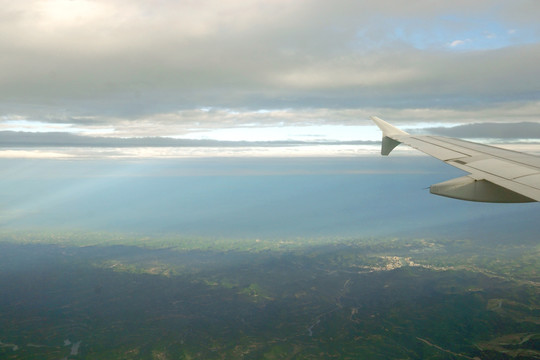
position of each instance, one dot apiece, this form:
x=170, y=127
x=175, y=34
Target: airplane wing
x=495, y=174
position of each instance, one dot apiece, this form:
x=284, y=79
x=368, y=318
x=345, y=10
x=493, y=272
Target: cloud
x=457, y=43
x=145, y=69
x=508, y=131
x=10, y=139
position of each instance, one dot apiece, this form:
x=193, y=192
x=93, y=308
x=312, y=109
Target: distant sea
x=249, y=197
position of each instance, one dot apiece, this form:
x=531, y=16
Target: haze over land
x=243, y=197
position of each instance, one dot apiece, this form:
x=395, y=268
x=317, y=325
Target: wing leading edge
x=495, y=174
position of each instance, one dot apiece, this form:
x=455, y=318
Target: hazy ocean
x=245, y=197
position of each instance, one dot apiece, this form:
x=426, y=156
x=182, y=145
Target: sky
x=239, y=70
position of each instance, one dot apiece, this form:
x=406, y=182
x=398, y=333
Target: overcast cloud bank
x=502, y=131
x=11, y=139
x=137, y=69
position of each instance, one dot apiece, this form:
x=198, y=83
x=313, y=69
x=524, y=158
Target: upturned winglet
x=390, y=135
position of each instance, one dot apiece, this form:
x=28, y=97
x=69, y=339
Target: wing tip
x=390, y=137
x=387, y=128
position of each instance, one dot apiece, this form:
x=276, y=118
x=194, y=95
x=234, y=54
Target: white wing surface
x=495, y=174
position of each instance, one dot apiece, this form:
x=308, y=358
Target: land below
x=120, y=296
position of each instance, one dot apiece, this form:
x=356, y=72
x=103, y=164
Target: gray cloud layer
x=11, y=139
x=511, y=131
x=130, y=64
